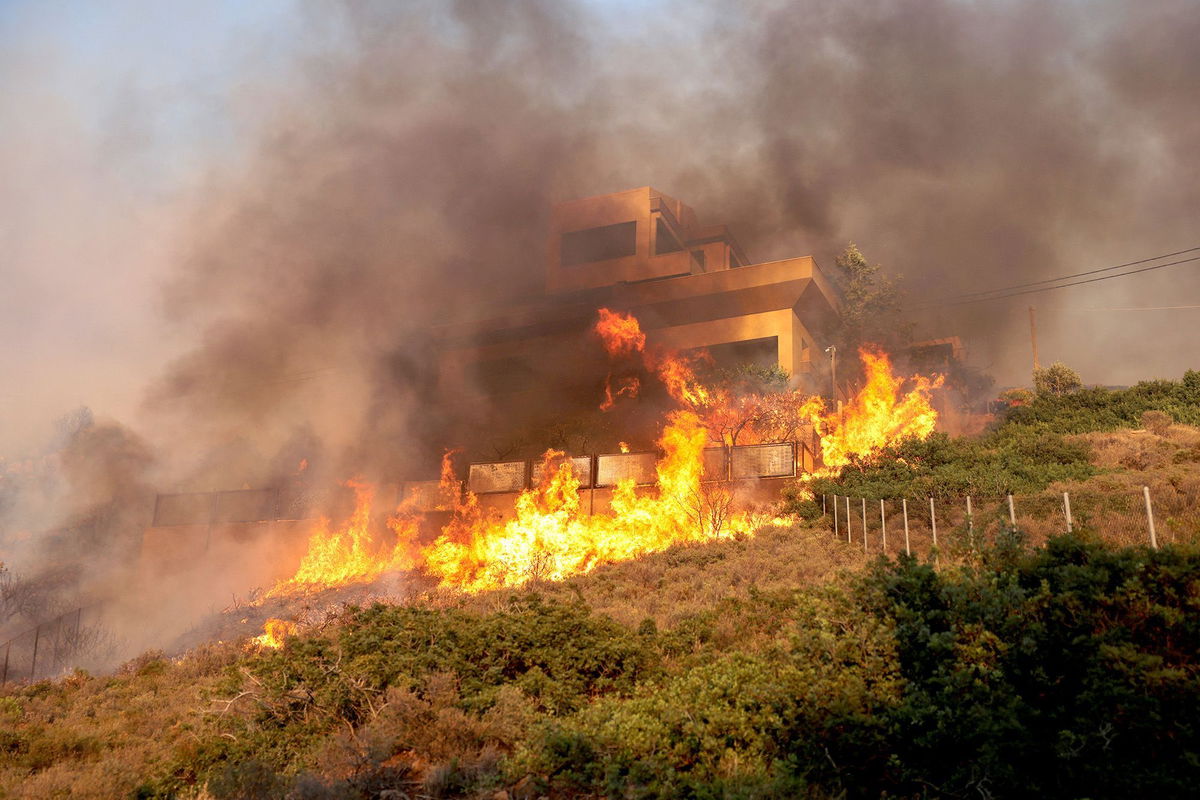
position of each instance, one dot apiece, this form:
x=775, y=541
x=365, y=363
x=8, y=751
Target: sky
x=110, y=113
x=160, y=161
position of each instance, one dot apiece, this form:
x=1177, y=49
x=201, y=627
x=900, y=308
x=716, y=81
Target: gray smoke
x=405, y=177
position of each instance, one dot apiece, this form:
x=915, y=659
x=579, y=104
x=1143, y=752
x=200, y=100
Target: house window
x=599, y=244
x=664, y=240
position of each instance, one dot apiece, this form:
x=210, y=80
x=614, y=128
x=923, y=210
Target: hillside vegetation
x=1049, y=439
x=1070, y=670
x=788, y=664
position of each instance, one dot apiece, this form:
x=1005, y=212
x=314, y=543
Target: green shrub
x=1067, y=672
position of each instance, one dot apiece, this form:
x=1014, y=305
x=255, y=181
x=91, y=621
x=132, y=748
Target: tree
x=752, y=404
x=872, y=306
x=1056, y=379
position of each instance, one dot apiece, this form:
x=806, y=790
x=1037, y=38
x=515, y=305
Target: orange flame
x=274, y=632
x=352, y=553
x=621, y=333
x=879, y=415
x=552, y=536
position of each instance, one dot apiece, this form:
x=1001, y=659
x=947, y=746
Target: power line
x=1078, y=274
x=1142, y=308
x=1007, y=293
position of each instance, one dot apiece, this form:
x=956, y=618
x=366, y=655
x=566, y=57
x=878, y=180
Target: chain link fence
x=54, y=646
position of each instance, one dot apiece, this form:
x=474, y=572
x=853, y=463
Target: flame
x=621, y=333
x=552, y=536
x=353, y=553
x=879, y=415
x=274, y=632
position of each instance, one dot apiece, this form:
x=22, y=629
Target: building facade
x=641, y=251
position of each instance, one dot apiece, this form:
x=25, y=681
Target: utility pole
x=1033, y=338
x=832, y=350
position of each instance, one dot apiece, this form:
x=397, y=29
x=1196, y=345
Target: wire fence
x=49, y=648
x=918, y=525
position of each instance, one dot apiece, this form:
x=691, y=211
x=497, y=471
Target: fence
x=744, y=462
x=47, y=649
x=908, y=524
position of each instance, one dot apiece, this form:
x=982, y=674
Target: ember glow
x=552, y=534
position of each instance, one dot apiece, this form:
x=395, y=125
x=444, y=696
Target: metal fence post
x=823, y=511
x=1012, y=513
x=864, y=513
x=904, y=506
x=37, y=636
x=970, y=519
x=55, y=654
x=883, y=525
x=933, y=522
x=1067, y=509
x=835, y=516
x=847, y=519
x=1150, y=517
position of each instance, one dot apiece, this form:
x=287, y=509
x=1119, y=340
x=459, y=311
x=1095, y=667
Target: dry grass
x=676, y=583
x=100, y=737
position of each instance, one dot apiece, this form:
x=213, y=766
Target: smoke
x=404, y=177
x=381, y=170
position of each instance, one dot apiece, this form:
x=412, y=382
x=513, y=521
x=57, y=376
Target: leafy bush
x=1014, y=458
x=1063, y=672
x=1067, y=672
x=1099, y=409
x=1057, y=378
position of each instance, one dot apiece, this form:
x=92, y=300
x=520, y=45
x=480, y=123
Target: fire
x=879, y=415
x=553, y=536
x=352, y=553
x=621, y=333
x=274, y=632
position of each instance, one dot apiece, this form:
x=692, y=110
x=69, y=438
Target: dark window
x=698, y=257
x=664, y=240
x=599, y=244
x=760, y=352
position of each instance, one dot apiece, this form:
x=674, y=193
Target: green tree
x=1056, y=379
x=872, y=306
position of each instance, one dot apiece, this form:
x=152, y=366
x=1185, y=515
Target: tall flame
x=274, y=632
x=879, y=415
x=352, y=553
x=552, y=536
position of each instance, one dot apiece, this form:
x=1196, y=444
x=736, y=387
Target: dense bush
x=1099, y=409
x=1071, y=671
x=435, y=665
x=1015, y=458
